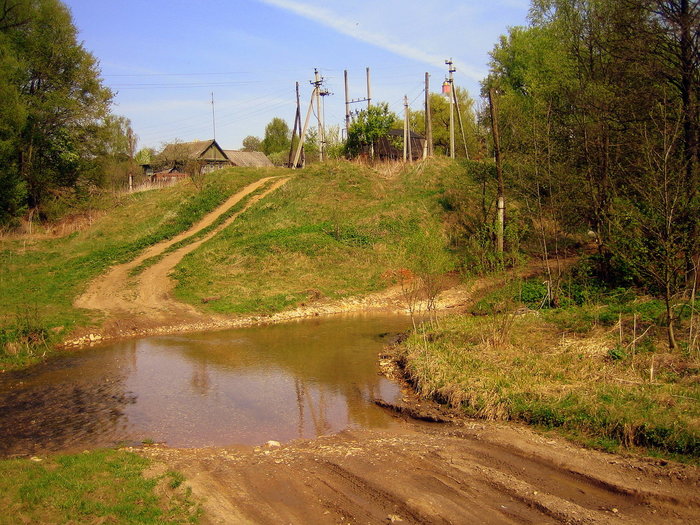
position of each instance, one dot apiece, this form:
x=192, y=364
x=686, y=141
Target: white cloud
x=392, y=38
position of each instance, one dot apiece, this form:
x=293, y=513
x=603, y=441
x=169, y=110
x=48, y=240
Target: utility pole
x=213, y=118
x=317, y=90
x=316, y=95
x=369, y=91
x=297, y=126
x=324, y=93
x=461, y=126
x=405, y=127
x=428, y=149
x=451, y=69
x=347, y=104
x=303, y=131
x=499, y=172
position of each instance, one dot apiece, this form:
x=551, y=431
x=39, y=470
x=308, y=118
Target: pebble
x=272, y=443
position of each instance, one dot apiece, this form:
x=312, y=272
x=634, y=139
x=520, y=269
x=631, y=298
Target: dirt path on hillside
x=146, y=300
x=430, y=473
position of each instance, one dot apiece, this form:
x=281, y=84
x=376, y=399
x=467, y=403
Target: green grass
x=333, y=231
x=565, y=369
x=40, y=278
x=236, y=208
x=104, y=486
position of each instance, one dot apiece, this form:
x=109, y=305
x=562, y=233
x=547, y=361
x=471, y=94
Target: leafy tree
x=145, y=156
x=599, y=99
x=277, y=137
x=251, y=143
x=52, y=101
x=369, y=126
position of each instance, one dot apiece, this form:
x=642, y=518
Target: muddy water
x=243, y=386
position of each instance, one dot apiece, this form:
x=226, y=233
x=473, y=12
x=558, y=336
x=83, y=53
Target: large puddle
x=245, y=386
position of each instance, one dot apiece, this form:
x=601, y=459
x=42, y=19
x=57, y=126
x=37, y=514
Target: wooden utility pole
x=461, y=126
x=369, y=91
x=499, y=172
x=213, y=117
x=297, y=126
x=317, y=83
x=306, y=126
x=451, y=70
x=428, y=150
x=405, y=127
x=347, y=104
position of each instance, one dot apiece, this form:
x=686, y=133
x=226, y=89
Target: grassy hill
x=333, y=230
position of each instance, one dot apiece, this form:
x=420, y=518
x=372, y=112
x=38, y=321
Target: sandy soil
x=433, y=473
x=456, y=472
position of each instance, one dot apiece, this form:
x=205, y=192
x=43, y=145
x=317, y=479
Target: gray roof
x=255, y=159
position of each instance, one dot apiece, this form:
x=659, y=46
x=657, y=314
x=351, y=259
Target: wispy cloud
x=355, y=29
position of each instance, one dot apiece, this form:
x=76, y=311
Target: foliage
x=599, y=107
x=277, y=137
x=251, y=143
x=53, y=106
x=368, y=127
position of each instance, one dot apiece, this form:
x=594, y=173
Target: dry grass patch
x=536, y=373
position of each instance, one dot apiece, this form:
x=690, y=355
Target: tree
x=599, y=100
x=369, y=126
x=53, y=103
x=277, y=136
x=251, y=143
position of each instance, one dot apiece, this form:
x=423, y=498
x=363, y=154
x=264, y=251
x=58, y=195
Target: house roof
x=188, y=150
x=399, y=133
x=256, y=159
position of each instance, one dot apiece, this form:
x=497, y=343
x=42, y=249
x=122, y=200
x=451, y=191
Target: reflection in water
x=245, y=386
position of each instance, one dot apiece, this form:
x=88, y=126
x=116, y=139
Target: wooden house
x=390, y=147
x=253, y=159
x=207, y=152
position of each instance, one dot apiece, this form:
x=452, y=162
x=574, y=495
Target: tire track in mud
x=431, y=474
x=147, y=298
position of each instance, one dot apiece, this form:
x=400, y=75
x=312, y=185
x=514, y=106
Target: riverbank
x=598, y=373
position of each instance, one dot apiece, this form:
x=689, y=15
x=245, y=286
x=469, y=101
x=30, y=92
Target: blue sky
x=165, y=58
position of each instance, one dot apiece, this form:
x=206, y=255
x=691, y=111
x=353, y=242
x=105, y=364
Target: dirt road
x=429, y=474
x=147, y=298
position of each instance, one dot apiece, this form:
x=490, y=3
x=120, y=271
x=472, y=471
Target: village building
x=390, y=147
x=207, y=152
x=251, y=159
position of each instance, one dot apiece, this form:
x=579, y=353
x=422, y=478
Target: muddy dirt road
x=432, y=473
x=148, y=295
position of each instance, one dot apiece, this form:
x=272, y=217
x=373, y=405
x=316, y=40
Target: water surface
x=244, y=386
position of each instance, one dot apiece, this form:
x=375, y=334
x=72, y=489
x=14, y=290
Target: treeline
x=598, y=109
x=57, y=136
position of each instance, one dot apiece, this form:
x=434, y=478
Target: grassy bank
x=335, y=230
x=41, y=276
x=598, y=371
x=106, y=486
